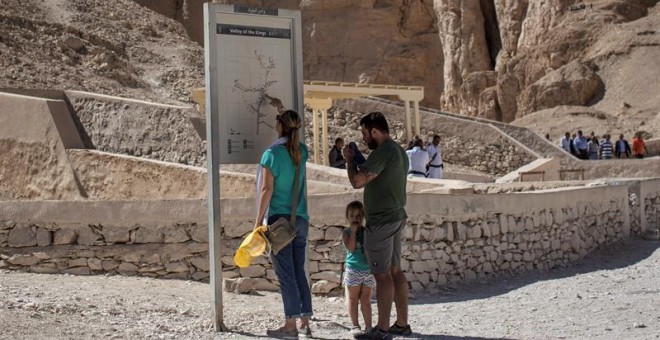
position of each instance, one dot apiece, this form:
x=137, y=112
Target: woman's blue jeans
x=289, y=266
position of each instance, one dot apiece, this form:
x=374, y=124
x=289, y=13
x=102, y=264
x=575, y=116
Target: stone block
x=176, y=267
x=44, y=268
x=41, y=255
x=200, y=276
x=262, y=284
x=150, y=258
x=109, y=265
x=441, y=280
x=148, y=234
x=126, y=268
x=176, y=276
x=270, y=274
x=315, y=255
x=324, y=286
x=133, y=257
x=230, y=274
x=424, y=278
x=331, y=276
x=95, y=264
x=174, y=233
x=23, y=260
x=450, y=231
x=418, y=266
x=405, y=265
x=426, y=255
x=315, y=234
x=236, y=229
x=77, y=271
x=199, y=232
x=22, y=236
x=44, y=237
x=424, y=234
x=86, y=236
x=333, y=234
x=200, y=262
x=504, y=223
x=462, y=231
x=80, y=262
x=325, y=266
x=241, y=285
x=115, y=233
x=474, y=232
x=151, y=268
x=313, y=266
x=252, y=271
x=408, y=233
x=416, y=286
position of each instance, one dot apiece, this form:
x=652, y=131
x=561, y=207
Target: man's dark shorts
x=382, y=246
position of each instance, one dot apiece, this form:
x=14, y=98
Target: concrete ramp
x=34, y=134
x=540, y=170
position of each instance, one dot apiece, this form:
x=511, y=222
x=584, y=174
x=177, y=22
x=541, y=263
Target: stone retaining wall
x=449, y=238
x=650, y=202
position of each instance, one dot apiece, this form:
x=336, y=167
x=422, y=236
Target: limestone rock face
x=574, y=84
x=463, y=36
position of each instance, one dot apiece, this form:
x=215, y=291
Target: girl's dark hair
x=291, y=122
x=355, y=205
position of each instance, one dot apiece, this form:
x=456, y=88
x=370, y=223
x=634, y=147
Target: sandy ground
x=612, y=294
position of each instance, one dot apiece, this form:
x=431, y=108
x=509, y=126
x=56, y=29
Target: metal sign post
x=251, y=55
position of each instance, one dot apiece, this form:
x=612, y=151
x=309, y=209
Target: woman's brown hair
x=291, y=122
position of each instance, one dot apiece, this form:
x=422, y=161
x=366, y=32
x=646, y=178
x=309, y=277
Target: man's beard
x=371, y=143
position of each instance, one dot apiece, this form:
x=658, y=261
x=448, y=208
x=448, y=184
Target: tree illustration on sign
x=267, y=67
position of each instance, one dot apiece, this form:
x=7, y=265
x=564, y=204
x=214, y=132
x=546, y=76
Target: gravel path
x=612, y=294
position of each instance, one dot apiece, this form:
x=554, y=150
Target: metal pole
x=213, y=174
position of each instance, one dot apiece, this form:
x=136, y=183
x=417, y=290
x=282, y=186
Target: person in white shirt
x=435, y=167
x=565, y=142
x=418, y=159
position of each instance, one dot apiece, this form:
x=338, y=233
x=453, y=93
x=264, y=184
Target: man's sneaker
x=375, y=334
x=305, y=332
x=280, y=334
x=397, y=330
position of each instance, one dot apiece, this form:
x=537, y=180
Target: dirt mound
x=115, y=47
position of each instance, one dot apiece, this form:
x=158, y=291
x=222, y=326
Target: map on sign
x=254, y=61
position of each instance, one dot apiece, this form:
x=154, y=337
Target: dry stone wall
x=650, y=202
x=449, y=238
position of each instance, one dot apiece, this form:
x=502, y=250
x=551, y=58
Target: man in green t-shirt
x=383, y=177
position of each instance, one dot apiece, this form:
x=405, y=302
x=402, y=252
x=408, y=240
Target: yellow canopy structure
x=319, y=96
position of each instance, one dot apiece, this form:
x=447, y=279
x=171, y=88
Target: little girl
x=358, y=280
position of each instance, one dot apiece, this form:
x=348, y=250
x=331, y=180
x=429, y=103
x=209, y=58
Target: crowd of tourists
x=592, y=148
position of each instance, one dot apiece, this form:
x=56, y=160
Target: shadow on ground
x=608, y=257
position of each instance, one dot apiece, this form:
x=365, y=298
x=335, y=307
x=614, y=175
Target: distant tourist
x=279, y=165
x=638, y=146
x=592, y=148
x=565, y=142
x=580, y=143
x=606, y=147
x=572, y=145
x=622, y=148
x=418, y=158
x=335, y=157
x=383, y=177
x=358, y=280
x=435, y=167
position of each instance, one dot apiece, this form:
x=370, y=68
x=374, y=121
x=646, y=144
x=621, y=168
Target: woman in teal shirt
x=279, y=163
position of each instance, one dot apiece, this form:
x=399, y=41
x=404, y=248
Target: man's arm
x=359, y=178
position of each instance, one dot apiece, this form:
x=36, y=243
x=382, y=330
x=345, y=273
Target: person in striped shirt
x=606, y=147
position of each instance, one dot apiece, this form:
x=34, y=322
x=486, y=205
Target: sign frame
x=213, y=120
